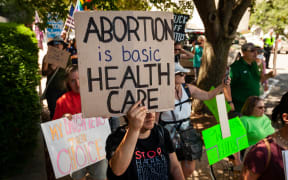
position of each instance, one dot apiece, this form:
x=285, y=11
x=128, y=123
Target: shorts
x=96, y=171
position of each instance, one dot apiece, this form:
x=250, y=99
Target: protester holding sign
x=265, y=160
x=55, y=85
x=141, y=150
x=70, y=104
x=179, y=118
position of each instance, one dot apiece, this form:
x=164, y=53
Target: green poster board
x=212, y=106
x=218, y=148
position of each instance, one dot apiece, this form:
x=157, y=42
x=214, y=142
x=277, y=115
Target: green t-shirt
x=257, y=128
x=245, y=82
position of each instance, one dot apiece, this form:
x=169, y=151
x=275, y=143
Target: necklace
x=280, y=140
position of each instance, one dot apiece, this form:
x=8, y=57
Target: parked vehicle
x=282, y=45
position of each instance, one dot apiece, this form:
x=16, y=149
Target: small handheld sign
x=226, y=138
x=180, y=21
x=57, y=57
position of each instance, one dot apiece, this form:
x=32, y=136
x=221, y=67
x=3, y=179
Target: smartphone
x=227, y=73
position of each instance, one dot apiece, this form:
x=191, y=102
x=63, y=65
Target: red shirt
x=69, y=102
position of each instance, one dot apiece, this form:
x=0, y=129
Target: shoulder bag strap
x=269, y=153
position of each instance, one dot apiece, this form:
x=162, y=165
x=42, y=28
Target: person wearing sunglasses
x=245, y=76
x=179, y=118
x=181, y=53
x=264, y=161
x=256, y=123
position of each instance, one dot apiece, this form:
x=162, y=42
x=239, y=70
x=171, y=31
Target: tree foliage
x=182, y=7
x=221, y=22
x=23, y=11
x=271, y=14
x=19, y=105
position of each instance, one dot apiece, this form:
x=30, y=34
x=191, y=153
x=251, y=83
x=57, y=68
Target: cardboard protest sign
x=75, y=144
x=218, y=148
x=57, y=57
x=179, y=26
x=212, y=106
x=124, y=57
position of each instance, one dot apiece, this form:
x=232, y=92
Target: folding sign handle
x=223, y=117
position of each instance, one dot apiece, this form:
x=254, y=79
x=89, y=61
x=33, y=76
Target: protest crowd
x=145, y=144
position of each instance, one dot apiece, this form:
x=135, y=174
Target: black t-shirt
x=151, y=155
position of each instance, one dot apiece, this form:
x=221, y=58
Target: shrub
x=19, y=101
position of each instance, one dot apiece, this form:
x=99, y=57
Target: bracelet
x=229, y=102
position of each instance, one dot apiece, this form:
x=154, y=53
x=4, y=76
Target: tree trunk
x=220, y=24
x=212, y=70
x=275, y=52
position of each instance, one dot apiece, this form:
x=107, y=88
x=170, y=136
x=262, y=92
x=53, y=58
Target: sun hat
x=179, y=68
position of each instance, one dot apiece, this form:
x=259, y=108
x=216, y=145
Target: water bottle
x=177, y=140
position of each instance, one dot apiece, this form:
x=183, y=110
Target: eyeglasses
x=180, y=74
x=251, y=50
x=177, y=49
x=260, y=107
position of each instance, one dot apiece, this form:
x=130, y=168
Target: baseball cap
x=179, y=68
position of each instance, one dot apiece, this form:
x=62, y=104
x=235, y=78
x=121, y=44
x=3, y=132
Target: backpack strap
x=269, y=153
x=186, y=88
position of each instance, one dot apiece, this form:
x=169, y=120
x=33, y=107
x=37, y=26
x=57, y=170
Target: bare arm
x=267, y=76
x=175, y=167
x=44, y=67
x=204, y=95
x=186, y=54
x=228, y=96
x=122, y=157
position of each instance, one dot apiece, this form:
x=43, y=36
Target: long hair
x=249, y=105
x=70, y=69
x=281, y=108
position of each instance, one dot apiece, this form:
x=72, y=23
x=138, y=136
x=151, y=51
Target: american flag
x=69, y=23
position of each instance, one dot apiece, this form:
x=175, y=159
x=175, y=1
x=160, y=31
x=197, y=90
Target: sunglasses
x=180, y=74
x=260, y=107
x=251, y=50
x=177, y=49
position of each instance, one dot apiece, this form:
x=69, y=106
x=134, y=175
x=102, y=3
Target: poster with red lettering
x=75, y=144
x=123, y=57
